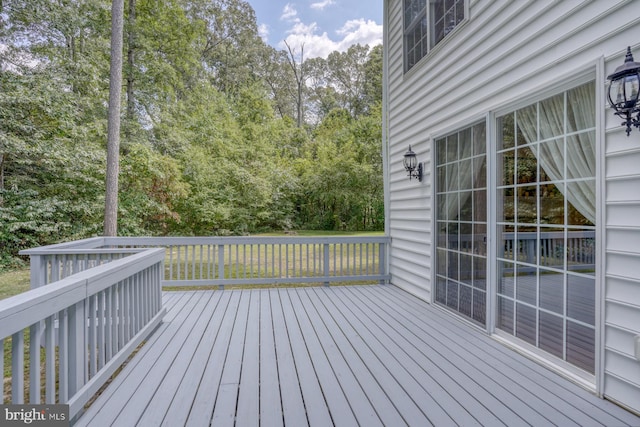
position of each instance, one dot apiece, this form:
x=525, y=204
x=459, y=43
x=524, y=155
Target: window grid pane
x=546, y=225
x=424, y=27
x=461, y=255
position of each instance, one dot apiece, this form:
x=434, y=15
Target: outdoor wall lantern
x=623, y=91
x=412, y=165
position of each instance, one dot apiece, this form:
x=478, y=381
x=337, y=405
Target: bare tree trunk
x=300, y=78
x=113, y=128
x=1, y=179
x=130, y=64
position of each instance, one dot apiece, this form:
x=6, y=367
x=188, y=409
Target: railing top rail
x=46, y=250
x=90, y=243
x=22, y=310
x=550, y=234
x=241, y=240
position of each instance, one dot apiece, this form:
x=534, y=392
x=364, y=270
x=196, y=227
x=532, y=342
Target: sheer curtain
x=457, y=175
x=580, y=148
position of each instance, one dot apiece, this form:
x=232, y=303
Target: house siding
x=505, y=54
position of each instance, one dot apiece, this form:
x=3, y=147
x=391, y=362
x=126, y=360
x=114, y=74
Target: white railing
x=221, y=261
x=551, y=248
x=79, y=328
x=92, y=302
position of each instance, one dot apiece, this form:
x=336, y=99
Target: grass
x=14, y=282
x=321, y=233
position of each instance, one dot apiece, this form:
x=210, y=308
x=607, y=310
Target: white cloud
x=356, y=31
x=359, y=31
x=322, y=4
x=263, y=32
x=289, y=13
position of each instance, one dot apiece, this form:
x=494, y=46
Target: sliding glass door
x=461, y=227
x=546, y=225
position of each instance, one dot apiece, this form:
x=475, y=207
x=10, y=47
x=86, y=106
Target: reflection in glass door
x=546, y=213
x=461, y=227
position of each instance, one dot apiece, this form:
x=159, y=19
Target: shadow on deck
x=356, y=355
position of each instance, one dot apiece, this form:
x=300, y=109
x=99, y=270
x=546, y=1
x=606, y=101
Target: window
x=546, y=213
x=461, y=226
x=425, y=27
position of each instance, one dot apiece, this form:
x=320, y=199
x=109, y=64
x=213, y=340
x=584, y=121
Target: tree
x=113, y=130
x=298, y=68
x=223, y=134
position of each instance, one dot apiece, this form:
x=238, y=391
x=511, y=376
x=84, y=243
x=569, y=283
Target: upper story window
x=425, y=27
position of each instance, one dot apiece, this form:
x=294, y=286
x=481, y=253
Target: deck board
x=177, y=412
x=565, y=395
x=356, y=355
x=270, y=400
x=310, y=381
x=293, y=409
x=489, y=384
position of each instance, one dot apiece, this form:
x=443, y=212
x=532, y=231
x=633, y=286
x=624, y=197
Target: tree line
x=220, y=132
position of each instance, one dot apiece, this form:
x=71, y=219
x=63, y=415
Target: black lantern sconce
x=412, y=165
x=624, y=90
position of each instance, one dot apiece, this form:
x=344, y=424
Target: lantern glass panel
x=410, y=162
x=616, y=94
x=631, y=86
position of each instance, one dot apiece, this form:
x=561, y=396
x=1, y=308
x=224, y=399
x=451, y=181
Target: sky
x=323, y=26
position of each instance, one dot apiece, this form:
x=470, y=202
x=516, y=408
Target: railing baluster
x=34, y=368
x=325, y=262
x=114, y=320
x=121, y=315
x=132, y=296
x=2, y=370
x=77, y=347
x=178, y=262
x=273, y=261
x=259, y=261
x=221, y=264
x=100, y=332
x=286, y=260
x=382, y=266
x=201, y=259
x=171, y=262
x=50, y=360
x=93, y=338
x=193, y=262
x=63, y=358
x=294, y=269
x=17, y=368
x=108, y=326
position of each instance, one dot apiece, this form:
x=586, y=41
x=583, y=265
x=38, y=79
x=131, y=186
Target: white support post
x=38, y=271
x=382, y=266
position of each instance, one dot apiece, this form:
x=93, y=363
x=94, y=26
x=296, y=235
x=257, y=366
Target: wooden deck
x=357, y=355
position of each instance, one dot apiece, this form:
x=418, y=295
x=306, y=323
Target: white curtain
x=580, y=148
x=456, y=175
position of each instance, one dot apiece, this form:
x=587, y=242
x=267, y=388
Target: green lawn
x=17, y=281
x=14, y=282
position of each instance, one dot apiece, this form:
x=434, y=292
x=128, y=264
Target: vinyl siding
x=507, y=54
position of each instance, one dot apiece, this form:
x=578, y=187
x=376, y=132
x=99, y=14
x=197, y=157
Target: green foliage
x=210, y=144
